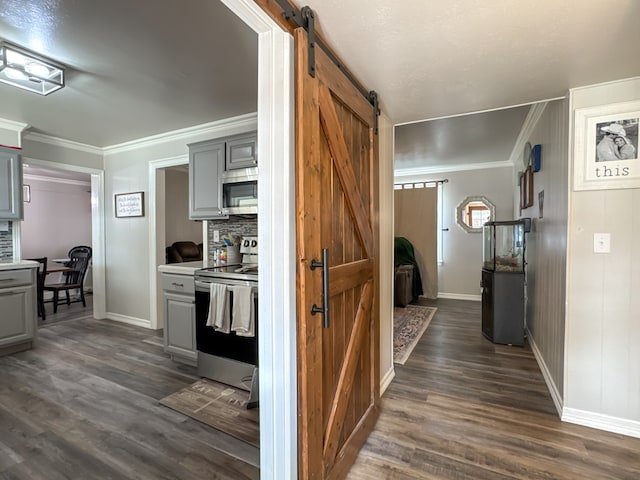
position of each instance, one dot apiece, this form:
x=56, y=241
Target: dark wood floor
x=84, y=405
x=462, y=408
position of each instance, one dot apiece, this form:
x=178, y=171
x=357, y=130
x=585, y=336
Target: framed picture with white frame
x=606, y=147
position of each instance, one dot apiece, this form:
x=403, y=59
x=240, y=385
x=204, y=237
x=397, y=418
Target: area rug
x=409, y=324
x=220, y=407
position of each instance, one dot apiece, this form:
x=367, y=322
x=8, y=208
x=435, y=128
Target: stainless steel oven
x=226, y=357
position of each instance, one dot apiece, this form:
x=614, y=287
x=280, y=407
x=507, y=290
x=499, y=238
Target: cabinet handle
x=178, y=284
x=7, y=279
x=6, y=293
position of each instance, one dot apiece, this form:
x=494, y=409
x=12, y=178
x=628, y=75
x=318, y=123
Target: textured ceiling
x=136, y=67
x=143, y=67
x=465, y=140
x=430, y=59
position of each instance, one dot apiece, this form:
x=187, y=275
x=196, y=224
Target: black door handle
x=324, y=309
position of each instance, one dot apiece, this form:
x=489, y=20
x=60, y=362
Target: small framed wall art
x=129, y=204
x=606, y=147
x=526, y=188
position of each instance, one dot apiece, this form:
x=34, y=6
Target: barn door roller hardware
x=306, y=19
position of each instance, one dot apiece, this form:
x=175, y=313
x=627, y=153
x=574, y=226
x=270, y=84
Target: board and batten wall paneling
x=416, y=219
x=602, y=379
x=546, y=251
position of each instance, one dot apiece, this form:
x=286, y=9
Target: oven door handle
x=324, y=309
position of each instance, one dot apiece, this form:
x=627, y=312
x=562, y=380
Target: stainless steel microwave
x=240, y=191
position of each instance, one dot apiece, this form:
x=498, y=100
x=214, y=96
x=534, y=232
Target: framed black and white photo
x=606, y=147
x=129, y=204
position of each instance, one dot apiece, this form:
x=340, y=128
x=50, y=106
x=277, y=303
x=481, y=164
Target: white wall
x=127, y=239
x=57, y=218
x=459, y=274
x=63, y=152
x=178, y=227
x=385, y=144
x=546, y=246
x=602, y=370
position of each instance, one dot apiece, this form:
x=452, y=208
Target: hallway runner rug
x=219, y=406
x=409, y=324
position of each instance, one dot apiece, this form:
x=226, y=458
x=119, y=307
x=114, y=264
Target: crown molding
x=535, y=112
x=61, y=142
x=13, y=126
x=415, y=172
x=66, y=181
x=246, y=122
x=487, y=110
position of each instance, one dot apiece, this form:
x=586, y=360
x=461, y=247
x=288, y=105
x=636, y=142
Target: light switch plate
x=4, y=226
x=601, y=243
x=216, y=235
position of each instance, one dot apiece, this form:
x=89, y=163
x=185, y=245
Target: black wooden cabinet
x=503, y=307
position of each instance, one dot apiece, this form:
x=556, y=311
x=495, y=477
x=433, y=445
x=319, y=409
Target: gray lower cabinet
x=179, y=317
x=206, y=164
x=10, y=184
x=17, y=310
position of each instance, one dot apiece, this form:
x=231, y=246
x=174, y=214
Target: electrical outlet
x=216, y=235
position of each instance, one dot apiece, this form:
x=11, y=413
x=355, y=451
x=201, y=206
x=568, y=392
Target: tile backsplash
x=6, y=244
x=236, y=225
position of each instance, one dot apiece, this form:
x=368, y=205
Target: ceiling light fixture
x=26, y=70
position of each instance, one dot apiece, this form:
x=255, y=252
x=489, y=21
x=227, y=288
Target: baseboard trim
x=460, y=296
x=622, y=426
x=548, y=379
x=386, y=380
x=138, y=322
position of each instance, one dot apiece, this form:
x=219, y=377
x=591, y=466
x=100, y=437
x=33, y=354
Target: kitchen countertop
x=184, y=268
x=18, y=264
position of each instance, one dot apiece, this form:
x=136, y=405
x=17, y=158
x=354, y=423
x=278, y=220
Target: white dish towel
x=244, y=317
x=219, y=317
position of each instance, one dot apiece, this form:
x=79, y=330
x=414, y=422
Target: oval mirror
x=473, y=212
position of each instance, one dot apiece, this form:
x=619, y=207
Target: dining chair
x=74, y=278
x=40, y=278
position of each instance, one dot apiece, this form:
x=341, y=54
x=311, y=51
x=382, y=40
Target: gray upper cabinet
x=206, y=164
x=10, y=184
x=241, y=151
x=207, y=161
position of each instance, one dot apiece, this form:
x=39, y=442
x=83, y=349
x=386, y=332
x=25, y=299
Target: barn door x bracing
x=337, y=248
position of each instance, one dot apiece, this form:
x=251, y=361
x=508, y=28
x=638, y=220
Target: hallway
x=463, y=408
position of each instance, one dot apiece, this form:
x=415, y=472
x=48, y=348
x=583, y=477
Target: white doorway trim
x=276, y=228
x=98, y=266
x=157, y=232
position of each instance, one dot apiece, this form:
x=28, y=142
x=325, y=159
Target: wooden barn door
x=337, y=209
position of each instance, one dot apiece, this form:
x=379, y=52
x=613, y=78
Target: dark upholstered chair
x=184, y=252
x=41, y=275
x=79, y=258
